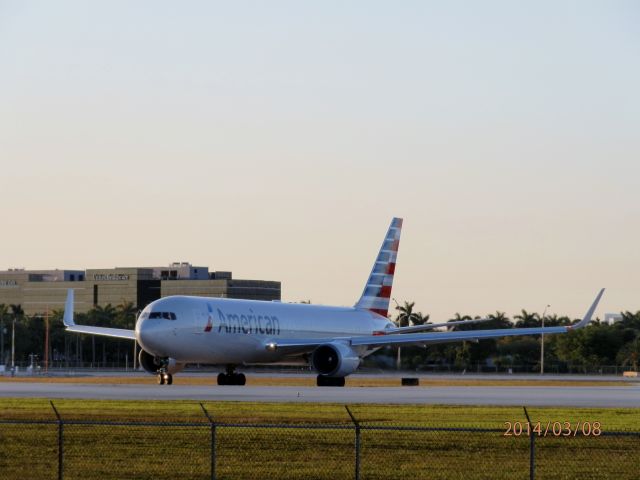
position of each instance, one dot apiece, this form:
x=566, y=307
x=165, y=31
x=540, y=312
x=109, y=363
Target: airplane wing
x=304, y=345
x=71, y=326
x=429, y=326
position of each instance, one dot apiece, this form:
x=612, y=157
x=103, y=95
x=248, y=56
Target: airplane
x=176, y=330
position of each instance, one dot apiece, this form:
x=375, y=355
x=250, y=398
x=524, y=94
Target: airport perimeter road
x=626, y=396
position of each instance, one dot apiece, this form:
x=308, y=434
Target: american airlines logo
x=247, y=323
x=209, y=320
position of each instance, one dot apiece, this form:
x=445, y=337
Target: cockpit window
x=165, y=315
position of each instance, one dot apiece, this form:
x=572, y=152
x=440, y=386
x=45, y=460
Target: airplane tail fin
x=377, y=291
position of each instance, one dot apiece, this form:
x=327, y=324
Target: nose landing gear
x=231, y=377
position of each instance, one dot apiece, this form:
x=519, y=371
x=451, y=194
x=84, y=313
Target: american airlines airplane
x=177, y=330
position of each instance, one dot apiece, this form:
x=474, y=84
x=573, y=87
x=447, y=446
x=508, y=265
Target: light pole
x=542, y=342
x=13, y=348
x=135, y=344
x=46, y=341
x=399, y=357
x=13, y=341
x=2, y=342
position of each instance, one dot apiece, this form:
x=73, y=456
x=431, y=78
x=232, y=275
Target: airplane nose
x=149, y=333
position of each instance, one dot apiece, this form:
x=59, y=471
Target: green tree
x=630, y=320
x=406, y=316
x=102, y=316
x=126, y=314
x=459, y=318
x=4, y=317
x=629, y=354
x=17, y=311
x=527, y=320
x=497, y=320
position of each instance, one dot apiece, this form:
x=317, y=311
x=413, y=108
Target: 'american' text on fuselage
x=248, y=323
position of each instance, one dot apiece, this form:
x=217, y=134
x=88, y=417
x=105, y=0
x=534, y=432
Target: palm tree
x=459, y=318
x=126, y=314
x=4, y=313
x=555, y=321
x=17, y=311
x=527, y=320
x=103, y=316
x=421, y=319
x=499, y=320
x=630, y=319
x=629, y=354
x=406, y=317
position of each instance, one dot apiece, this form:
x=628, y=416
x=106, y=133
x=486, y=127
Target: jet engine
x=153, y=364
x=334, y=360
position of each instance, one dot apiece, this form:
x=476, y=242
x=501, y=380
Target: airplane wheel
x=168, y=378
x=160, y=379
x=232, y=379
x=323, y=381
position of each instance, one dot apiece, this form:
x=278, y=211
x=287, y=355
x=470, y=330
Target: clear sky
x=277, y=140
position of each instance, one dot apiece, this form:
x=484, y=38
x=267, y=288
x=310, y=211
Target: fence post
x=60, y=442
x=213, y=442
x=357, y=442
x=532, y=447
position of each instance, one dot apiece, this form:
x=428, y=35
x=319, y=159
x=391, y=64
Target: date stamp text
x=552, y=429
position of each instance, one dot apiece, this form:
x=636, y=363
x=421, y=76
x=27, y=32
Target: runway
x=604, y=396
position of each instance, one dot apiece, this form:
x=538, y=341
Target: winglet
x=67, y=319
x=589, y=314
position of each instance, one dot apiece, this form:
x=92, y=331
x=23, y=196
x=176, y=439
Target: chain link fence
x=210, y=449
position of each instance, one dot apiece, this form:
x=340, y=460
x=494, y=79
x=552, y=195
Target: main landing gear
x=231, y=377
x=165, y=378
x=324, y=381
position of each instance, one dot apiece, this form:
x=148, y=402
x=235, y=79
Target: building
x=611, y=318
x=40, y=290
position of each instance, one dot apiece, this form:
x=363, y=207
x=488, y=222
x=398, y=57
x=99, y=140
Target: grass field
x=247, y=451
x=297, y=413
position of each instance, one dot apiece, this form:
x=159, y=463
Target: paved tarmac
x=604, y=396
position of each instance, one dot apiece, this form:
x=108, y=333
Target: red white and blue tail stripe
x=377, y=291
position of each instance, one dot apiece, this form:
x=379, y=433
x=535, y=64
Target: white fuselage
x=229, y=331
